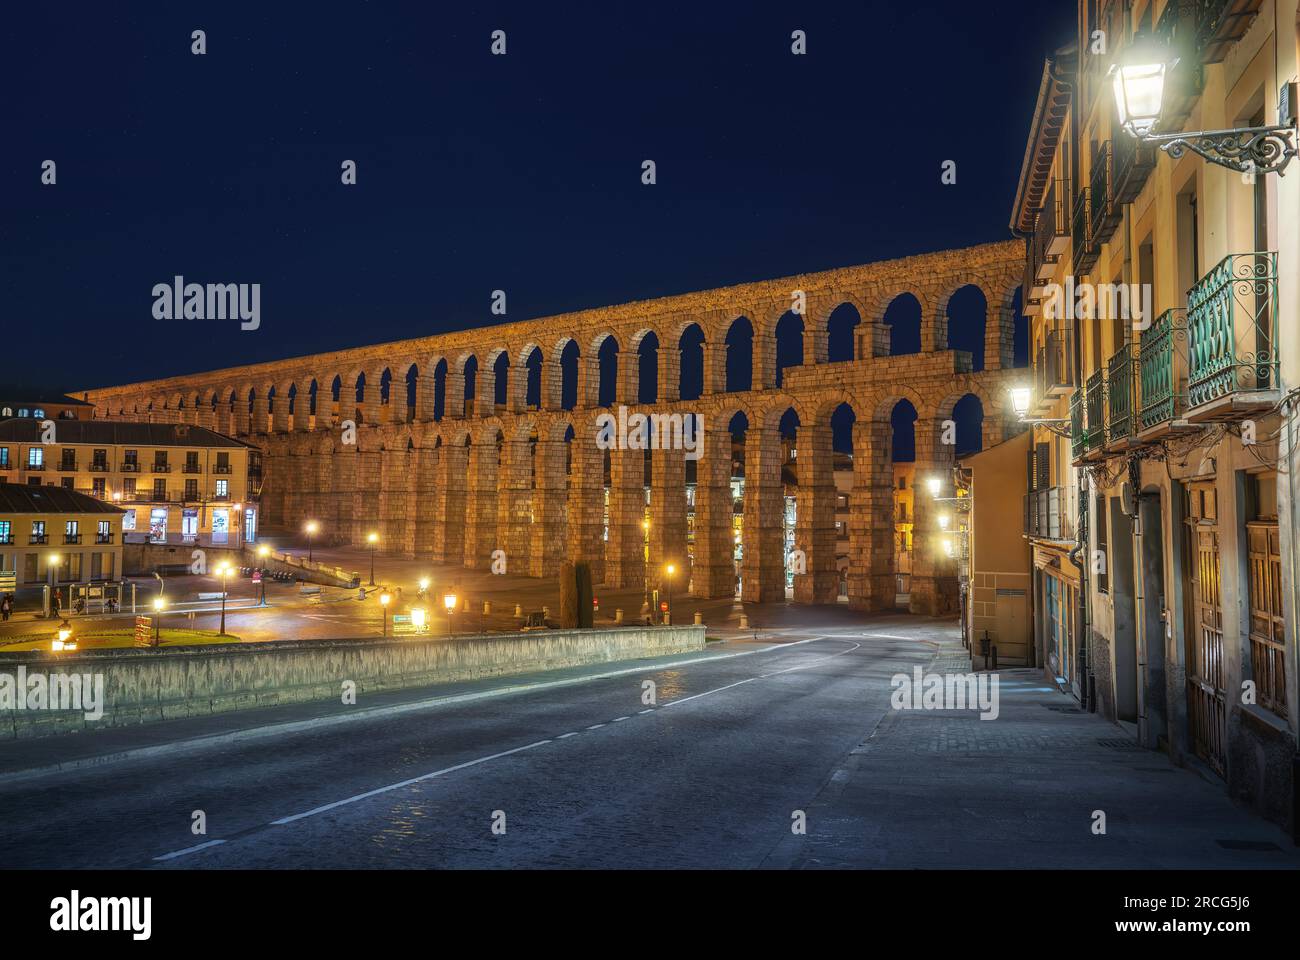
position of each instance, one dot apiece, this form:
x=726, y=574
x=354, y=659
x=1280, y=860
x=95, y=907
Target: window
x=69, y=458
x=1101, y=559
x=131, y=457
x=191, y=489
x=38, y=413
x=160, y=460
x=6, y=531
x=97, y=487
x=35, y=458
x=99, y=460
x=160, y=489
x=4, y=457
x=72, y=531
x=128, y=521
x=128, y=488
x=223, y=489
x=104, y=532
x=191, y=461
x=7, y=412
x=22, y=411
x=38, y=531
x=223, y=463
x=66, y=482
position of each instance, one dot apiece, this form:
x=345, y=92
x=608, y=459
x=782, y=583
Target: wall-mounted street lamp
x=1022, y=398
x=1139, y=80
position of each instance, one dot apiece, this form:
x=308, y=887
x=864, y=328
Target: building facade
x=51, y=535
x=174, y=484
x=1162, y=292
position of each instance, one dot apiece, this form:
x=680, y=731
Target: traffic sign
x=8, y=579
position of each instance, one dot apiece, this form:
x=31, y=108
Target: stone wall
x=147, y=686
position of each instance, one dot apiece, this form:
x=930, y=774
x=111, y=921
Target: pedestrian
x=58, y=600
x=6, y=606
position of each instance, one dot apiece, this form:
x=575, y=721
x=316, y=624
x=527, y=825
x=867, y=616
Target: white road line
x=403, y=783
x=595, y=726
x=180, y=853
x=565, y=736
x=618, y=720
x=673, y=703
x=650, y=710
x=805, y=666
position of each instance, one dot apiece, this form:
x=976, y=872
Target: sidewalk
x=1020, y=791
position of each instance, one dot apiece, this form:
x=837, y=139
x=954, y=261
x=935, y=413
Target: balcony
x=34, y=467
x=1220, y=24
x=1163, y=375
x=221, y=468
x=1104, y=211
x=103, y=538
x=7, y=540
x=98, y=466
x=1122, y=395
x=1078, y=440
x=1051, y=374
x=67, y=466
x=130, y=466
x=161, y=468
x=1094, y=399
x=1050, y=239
x=73, y=538
x=191, y=468
x=1046, y=514
x=37, y=539
x=1085, y=254
x=1134, y=161
x=1232, y=346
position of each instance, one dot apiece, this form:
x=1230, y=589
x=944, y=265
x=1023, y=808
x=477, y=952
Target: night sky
x=476, y=172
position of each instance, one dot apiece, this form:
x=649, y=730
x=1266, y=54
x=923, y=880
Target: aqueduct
x=486, y=439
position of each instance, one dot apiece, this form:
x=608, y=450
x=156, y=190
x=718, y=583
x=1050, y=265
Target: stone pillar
x=338, y=526
x=588, y=381
x=763, y=577
x=515, y=505
x=670, y=373
x=280, y=412
x=872, y=584
x=668, y=517
x=365, y=497
x=549, y=531
x=261, y=412
x=425, y=389
x=625, y=550
x=421, y=487
x=481, y=505
x=999, y=337
x=552, y=385
x=586, y=502
x=815, y=515
x=325, y=412
x=764, y=366
x=715, y=368
x=453, y=403
x=393, y=495
x=934, y=327
x=371, y=398
x=205, y=415
x=485, y=392
x=713, y=572
x=320, y=501
x=449, y=500
x=816, y=340
x=241, y=415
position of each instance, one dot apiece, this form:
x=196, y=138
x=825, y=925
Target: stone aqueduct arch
x=453, y=480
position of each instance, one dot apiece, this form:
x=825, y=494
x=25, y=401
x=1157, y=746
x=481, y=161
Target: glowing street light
x=223, y=571
x=385, y=599
x=62, y=642
x=418, y=618
x=449, y=601
x=158, y=605
x=1021, y=398
x=933, y=484
x=312, y=528
x=670, y=570
x=944, y=520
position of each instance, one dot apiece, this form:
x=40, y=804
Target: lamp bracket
x=1244, y=149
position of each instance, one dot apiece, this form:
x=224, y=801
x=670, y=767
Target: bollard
x=668, y=619
x=699, y=618
x=744, y=622
x=546, y=613
x=487, y=608
x=519, y=610
x=618, y=615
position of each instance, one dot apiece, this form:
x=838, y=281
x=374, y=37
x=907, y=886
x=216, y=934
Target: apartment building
x=43, y=405
x=51, y=535
x=174, y=483
x=1162, y=292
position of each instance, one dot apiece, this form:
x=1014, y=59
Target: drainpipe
x=1289, y=408
x=1081, y=546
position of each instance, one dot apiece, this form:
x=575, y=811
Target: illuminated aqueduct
x=486, y=439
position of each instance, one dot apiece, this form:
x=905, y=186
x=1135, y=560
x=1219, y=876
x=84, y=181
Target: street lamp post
x=449, y=601
x=670, y=570
x=263, y=551
x=645, y=567
x=385, y=599
x=312, y=527
x=373, y=540
x=158, y=604
x=223, y=572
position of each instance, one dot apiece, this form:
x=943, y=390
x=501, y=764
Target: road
x=583, y=776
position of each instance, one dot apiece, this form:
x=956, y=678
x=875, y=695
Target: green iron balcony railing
x=1121, y=394
x=1163, y=359
x=1094, y=401
x=1232, y=329
x=1078, y=440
